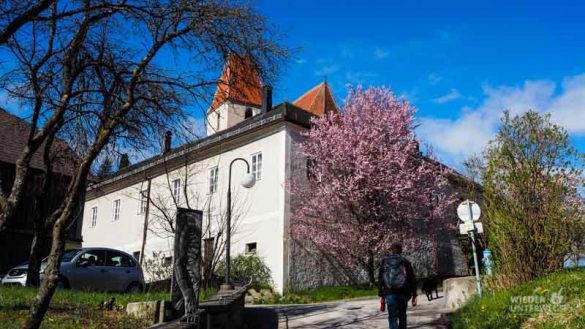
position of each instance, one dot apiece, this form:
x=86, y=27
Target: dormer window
x=248, y=113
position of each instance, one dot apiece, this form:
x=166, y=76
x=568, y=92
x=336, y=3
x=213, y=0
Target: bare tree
x=164, y=203
x=18, y=13
x=52, y=184
x=83, y=82
x=48, y=60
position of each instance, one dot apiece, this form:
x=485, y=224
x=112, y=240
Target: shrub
x=248, y=267
x=317, y=295
x=498, y=309
x=533, y=198
x=158, y=267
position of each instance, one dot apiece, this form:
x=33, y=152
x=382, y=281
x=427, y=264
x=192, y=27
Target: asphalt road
x=352, y=314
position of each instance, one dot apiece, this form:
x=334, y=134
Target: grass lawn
x=556, y=301
x=318, y=295
x=74, y=309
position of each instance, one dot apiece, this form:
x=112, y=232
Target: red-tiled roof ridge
x=318, y=100
x=239, y=82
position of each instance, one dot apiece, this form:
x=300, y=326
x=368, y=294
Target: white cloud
x=359, y=77
x=381, y=53
x=434, y=78
x=327, y=70
x=451, y=96
x=469, y=133
x=301, y=61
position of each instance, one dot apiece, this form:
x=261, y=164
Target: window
x=248, y=113
x=251, y=248
x=118, y=259
x=257, y=165
x=143, y=202
x=168, y=261
x=92, y=258
x=218, y=116
x=93, y=218
x=116, y=210
x=213, y=172
x=177, y=190
x=67, y=256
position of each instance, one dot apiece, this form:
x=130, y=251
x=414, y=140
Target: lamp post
x=247, y=182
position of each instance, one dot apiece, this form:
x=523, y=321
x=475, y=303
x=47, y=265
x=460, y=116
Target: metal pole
x=227, y=284
x=228, y=236
x=475, y=261
x=477, y=280
x=145, y=227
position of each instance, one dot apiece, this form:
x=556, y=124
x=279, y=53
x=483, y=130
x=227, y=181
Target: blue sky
x=461, y=63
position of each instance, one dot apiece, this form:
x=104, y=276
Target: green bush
x=497, y=310
x=318, y=295
x=245, y=268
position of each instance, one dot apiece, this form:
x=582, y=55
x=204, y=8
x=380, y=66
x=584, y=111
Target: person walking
x=397, y=285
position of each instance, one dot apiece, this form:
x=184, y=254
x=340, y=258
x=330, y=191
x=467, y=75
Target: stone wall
x=310, y=268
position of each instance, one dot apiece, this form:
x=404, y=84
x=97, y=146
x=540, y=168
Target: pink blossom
x=370, y=184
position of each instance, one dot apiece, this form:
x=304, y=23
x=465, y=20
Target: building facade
x=133, y=210
x=38, y=203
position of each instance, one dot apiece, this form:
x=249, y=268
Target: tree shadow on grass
x=260, y=318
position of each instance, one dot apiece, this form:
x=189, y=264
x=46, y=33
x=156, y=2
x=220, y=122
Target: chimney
x=266, y=98
x=167, y=142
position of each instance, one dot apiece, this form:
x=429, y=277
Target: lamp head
x=248, y=181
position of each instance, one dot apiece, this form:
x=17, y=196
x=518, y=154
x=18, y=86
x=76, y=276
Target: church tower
x=238, y=95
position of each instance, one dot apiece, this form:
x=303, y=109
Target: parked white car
x=98, y=269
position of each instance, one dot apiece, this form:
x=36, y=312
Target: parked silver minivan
x=98, y=269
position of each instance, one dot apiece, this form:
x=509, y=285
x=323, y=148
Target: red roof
x=318, y=100
x=14, y=135
x=239, y=82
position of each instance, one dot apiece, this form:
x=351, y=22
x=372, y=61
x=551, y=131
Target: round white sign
x=468, y=211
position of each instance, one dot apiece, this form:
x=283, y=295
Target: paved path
x=353, y=314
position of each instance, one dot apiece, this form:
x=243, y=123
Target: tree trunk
x=42, y=221
x=371, y=269
x=35, y=257
x=41, y=302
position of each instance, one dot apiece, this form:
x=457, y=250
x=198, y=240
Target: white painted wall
x=227, y=115
x=261, y=208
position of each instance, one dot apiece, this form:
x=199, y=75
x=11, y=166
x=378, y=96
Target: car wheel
x=134, y=288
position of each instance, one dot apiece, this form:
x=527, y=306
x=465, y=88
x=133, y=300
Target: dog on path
x=428, y=286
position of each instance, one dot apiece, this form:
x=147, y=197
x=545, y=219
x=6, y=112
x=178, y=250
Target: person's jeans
x=396, y=305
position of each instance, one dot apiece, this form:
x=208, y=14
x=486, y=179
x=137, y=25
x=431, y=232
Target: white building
x=241, y=124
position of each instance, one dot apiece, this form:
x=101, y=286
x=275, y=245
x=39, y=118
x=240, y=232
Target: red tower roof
x=318, y=100
x=239, y=82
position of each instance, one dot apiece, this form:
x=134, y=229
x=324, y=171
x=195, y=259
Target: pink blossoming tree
x=368, y=184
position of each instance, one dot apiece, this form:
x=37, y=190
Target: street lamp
x=247, y=182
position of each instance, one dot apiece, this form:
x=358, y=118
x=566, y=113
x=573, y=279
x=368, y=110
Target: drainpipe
x=145, y=229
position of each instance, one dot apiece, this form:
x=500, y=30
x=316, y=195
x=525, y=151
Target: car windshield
x=67, y=256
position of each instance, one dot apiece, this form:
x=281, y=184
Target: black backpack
x=394, y=272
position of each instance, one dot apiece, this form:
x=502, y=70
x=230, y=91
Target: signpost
x=469, y=212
